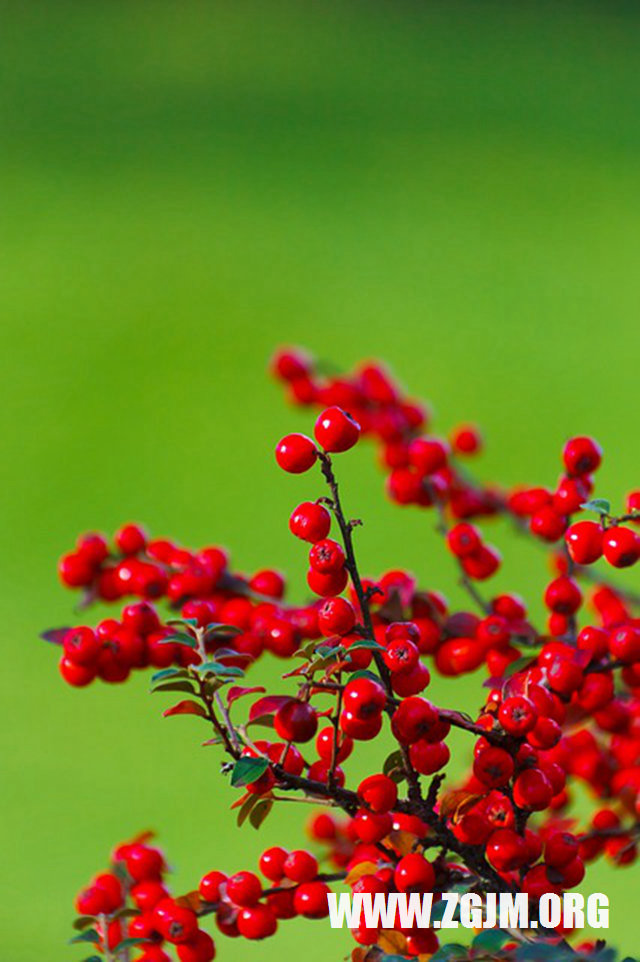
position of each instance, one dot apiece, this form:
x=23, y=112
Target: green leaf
x=128, y=943
x=93, y=958
x=491, y=940
x=260, y=811
x=599, y=505
x=176, y=686
x=248, y=769
x=83, y=922
x=180, y=638
x=364, y=673
x=215, y=630
x=393, y=766
x=516, y=666
x=169, y=673
x=224, y=671
x=368, y=643
x=192, y=622
x=89, y=936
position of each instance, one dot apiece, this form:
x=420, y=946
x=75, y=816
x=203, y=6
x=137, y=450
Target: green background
x=451, y=186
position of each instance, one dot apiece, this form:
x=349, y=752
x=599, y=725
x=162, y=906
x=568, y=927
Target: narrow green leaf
x=83, y=922
x=599, y=505
x=368, y=643
x=89, y=936
x=180, y=638
x=169, y=673
x=129, y=943
x=224, y=671
x=176, y=686
x=248, y=769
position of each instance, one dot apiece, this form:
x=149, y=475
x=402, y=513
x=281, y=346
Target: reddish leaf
x=186, y=707
x=267, y=705
x=55, y=635
x=236, y=691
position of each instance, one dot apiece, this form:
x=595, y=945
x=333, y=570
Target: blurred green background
x=451, y=186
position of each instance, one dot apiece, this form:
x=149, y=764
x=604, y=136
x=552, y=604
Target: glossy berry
x=336, y=616
x=378, y=792
x=310, y=522
x=296, y=721
x=517, y=715
x=244, y=888
x=621, y=546
x=584, y=542
x=326, y=556
x=257, y=922
x=414, y=874
x=296, y=453
x=199, y=949
x=493, y=767
x=401, y=655
x=581, y=455
x=336, y=430
x=300, y=866
x=310, y=900
x=272, y=863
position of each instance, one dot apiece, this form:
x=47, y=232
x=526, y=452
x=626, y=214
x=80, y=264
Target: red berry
x=621, y=546
x=327, y=585
x=548, y=524
x=327, y=556
x=466, y=439
x=414, y=718
x=300, y=866
x=199, y=949
x=272, y=863
x=493, y=767
x=81, y=646
x=174, y=922
x=624, y=643
x=210, y=886
x=336, y=616
x=336, y=430
x=325, y=742
x=463, y=539
x=428, y=757
x=506, y=850
x=532, y=790
x=584, y=542
x=144, y=862
x=517, y=715
x=76, y=675
x=563, y=596
x=560, y=849
x=244, y=888
x=581, y=456
x=401, y=655
x=296, y=721
x=428, y=454
x=310, y=522
x=296, y=453
x=414, y=873
x=130, y=539
x=257, y=922
x=364, y=697
x=379, y=792
x=75, y=570
x=310, y=900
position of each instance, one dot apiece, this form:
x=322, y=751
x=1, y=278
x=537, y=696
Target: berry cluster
x=560, y=707
x=130, y=908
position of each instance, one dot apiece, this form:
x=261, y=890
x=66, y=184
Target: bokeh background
x=451, y=186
